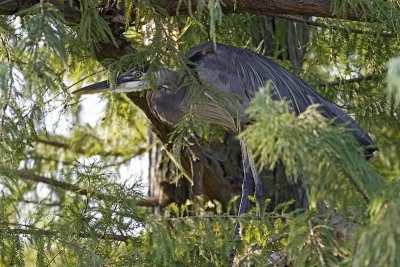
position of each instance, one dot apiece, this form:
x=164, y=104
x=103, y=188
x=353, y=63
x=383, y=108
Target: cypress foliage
x=63, y=200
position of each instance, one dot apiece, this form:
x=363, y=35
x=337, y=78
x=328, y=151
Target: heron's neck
x=167, y=78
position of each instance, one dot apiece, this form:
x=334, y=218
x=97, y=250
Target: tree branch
x=35, y=202
x=333, y=27
x=317, y=8
x=360, y=78
x=255, y=248
x=140, y=151
x=61, y=145
x=82, y=191
x=23, y=229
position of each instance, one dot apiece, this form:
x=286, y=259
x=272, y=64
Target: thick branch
x=317, y=8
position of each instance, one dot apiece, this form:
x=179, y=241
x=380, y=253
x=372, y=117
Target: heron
x=235, y=71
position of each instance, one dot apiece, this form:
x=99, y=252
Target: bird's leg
x=259, y=191
x=197, y=162
x=248, y=180
x=247, y=189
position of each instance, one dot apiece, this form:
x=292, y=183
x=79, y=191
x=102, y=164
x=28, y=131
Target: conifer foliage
x=63, y=200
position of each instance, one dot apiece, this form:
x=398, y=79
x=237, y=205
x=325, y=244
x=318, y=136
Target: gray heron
x=237, y=71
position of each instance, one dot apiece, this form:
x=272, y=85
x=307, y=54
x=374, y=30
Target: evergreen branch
x=73, y=84
x=76, y=164
x=332, y=27
x=24, y=229
x=82, y=191
x=61, y=145
x=8, y=95
x=35, y=202
x=141, y=150
x=315, y=243
x=284, y=217
x=256, y=248
x=361, y=78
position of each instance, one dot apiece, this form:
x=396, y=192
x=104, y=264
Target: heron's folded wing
x=243, y=72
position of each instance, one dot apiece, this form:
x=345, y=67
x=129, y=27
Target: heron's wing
x=243, y=72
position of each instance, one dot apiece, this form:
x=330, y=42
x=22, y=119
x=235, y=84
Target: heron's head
x=130, y=81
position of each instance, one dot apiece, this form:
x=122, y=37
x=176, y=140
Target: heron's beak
x=125, y=83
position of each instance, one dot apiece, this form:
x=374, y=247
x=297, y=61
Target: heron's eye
x=138, y=74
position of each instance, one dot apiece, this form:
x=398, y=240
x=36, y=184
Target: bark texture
x=317, y=8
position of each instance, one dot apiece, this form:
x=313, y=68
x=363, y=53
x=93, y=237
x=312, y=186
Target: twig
x=361, y=78
x=61, y=145
x=27, y=201
x=254, y=248
x=23, y=229
x=76, y=164
x=333, y=27
x=141, y=150
x=7, y=99
x=138, y=130
x=72, y=85
x=226, y=217
x=315, y=242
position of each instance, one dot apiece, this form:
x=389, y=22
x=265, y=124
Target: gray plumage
x=231, y=70
x=237, y=71
x=243, y=72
